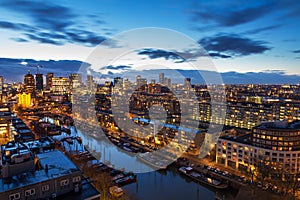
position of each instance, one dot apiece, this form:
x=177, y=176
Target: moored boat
x=201, y=178
x=116, y=191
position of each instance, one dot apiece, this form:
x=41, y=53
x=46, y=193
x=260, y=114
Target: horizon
x=243, y=38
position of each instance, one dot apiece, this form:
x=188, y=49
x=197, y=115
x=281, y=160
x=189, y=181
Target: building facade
x=44, y=175
x=274, y=142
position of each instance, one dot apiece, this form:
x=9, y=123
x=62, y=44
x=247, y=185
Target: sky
x=239, y=36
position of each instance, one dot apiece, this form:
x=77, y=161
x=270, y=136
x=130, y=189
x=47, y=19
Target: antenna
x=37, y=66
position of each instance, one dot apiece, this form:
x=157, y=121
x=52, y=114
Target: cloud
x=262, y=29
x=220, y=55
x=13, y=70
x=274, y=71
x=296, y=51
x=232, y=45
x=158, y=53
x=230, y=14
x=51, y=24
x=119, y=67
x=19, y=39
x=46, y=15
x=208, y=15
x=177, y=56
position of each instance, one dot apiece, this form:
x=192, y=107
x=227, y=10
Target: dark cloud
x=177, y=56
x=259, y=30
x=45, y=14
x=227, y=14
x=231, y=45
x=119, y=67
x=19, y=40
x=41, y=39
x=15, y=26
x=220, y=14
x=219, y=55
x=52, y=24
x=296, y=51
x=158, y=53
x=12, y=69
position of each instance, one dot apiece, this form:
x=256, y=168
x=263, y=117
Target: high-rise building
x=49, y=80
x=187, y=82
x=1, y=88
x=24, y=100
x=162, y=78
x=90, y=84
x=29, y=83
x=168, y=82
x=60, y=85
x=75, y=80
x=118, y=80
x=39, y=82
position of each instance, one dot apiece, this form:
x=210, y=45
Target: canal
x=158, y=185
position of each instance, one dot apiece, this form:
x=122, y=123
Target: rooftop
x=245, y=139
x=280, y=125
x=58, y=165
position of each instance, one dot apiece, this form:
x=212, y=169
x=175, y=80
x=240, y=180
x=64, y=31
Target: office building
x=60, y=85
x=1, y=88
x=75, y=80
x=39, y=82
x=29, y=83
x=49, y=81
x=162, y=78
x=24, y=100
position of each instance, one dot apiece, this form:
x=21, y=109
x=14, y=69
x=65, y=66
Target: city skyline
x=258, y=37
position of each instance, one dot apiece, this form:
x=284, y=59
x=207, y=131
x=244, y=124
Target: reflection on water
x=158, y=185
x=111, y=153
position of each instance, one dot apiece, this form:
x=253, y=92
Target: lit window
x=76, y=179
x=64, y=182
x=14, y=196
x=30, y=192
x=45, y=188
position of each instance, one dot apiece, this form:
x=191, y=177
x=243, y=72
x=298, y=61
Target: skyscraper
x=1, y=88
x=49, y=80
x=75, y=80
x=29, y=83
x=90, y=82
x=118, y=80
x=60, y=85
x=162, y=78
x=1, y=84
x=39, y=81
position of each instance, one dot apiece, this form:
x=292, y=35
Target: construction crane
x=37, y=66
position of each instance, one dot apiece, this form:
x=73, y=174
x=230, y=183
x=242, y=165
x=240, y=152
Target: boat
x=116, y=191
x=125, y=180
x=118, y=176
x=153, y=161
x=126, y=149
x=201, y=178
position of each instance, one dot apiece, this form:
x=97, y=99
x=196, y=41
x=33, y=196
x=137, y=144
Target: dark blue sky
x=242, y=36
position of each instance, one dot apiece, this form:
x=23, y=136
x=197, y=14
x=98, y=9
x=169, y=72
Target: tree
x=263, y=169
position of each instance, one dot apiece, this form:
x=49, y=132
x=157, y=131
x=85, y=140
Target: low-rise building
x=41, y=175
